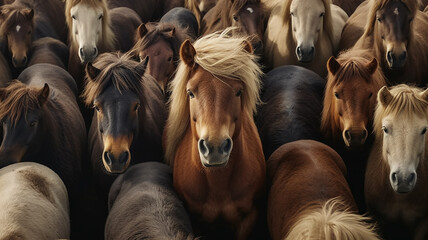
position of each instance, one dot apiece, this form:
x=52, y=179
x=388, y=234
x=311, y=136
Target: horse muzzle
x=305, y=54
x=403, y=182
x=116, y=162
x=88, y=54
x=396, y=61
x=214, y=155
x=355, y=138
x=19, y=62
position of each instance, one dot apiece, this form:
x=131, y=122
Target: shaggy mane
x=15, y=15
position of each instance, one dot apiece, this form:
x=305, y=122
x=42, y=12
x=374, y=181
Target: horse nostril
x=364, y=133
x=95, y=51
x=24, y=61
x=226, y=146
x=403, y=56
x=81, y=52
x=312, y=51
x=107, y=158
x=203, y=148
x=389, y=57
x=411, y=177
x=299, y=51
x=394, y=178
x=123, y=157
x=348, y=135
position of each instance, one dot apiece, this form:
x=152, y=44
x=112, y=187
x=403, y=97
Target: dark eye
x=385, y=130
x=424, y=131
x=191, y=95
x=137, y=106
x=100, y=17
x=239, y=93
x=29, y=32
x=378, y=19
x=74, y=17
x=370, y=95
x=292, y=14
x=169, y=59
x=336, y=95
x=235, y=17
x=410, y=20
x=33, y=123
x=97, y=108
x=322, y=14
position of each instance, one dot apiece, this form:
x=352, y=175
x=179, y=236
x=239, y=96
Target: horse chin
x=403, y=189
x=305, y=60
x=214, y=162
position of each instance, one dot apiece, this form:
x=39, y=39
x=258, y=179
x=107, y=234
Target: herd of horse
x=213, y=119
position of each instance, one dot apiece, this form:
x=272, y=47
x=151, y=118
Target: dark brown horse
x=394, y=31
x=348, y=6
x=211, y=139
x=26, y=20
x=5, y=73
x=161, y=43
x=291, y=110
x=49, y=50
x=309, y=196
x=199, y=7
x=144, y=205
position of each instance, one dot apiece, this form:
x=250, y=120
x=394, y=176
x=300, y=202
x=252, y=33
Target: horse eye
x=169, y=59
x=336, y=95
x=33, y=123
x=191, y=95
x=370, y=95
x=29, y=32
x=322, y=14
x=137, y=106
x=100, y=17
x=239, y=93
x=235, y=17
x=424, y=131
x=74, y=17
x=292, y=14
x=97, y=108
x=385, y=130
x=410, y=20
x=379, y=20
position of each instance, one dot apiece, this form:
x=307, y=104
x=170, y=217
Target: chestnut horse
x=291, y=110
x=394, y=31
x=161, y=43
x=33, y=203
x=26, y=20
x=143, y=205
x=397, y=174
x=309, y=197
x=210, y=138
x=304, y=33
x=93, y=29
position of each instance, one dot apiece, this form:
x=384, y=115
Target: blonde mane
x=406, y=101
x=108, y=39
x=332, y=220
x=375, y=5
x=224, y=57
x=284, y=13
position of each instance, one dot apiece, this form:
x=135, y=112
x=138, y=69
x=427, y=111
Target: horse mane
x=353, y=66
x=16, y=100
x=108, y=38
x=406, y=101
x=161, y=31
x=223, y=56
x=193, y=7
x=284, y=13
x=117, y=69
x=412, y=5
x=15, y=16
x=331, y=220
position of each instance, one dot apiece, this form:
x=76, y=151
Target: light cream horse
x=303, y=32
x=396, y=178
x=33, y=203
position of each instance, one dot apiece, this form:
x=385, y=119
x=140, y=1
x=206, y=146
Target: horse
x=199, y=7
x=34, y=203
x=292, y=98
x=348, y=6
x=304, y=33
x=394, y=32
x=94, y=29
x=161, y=43
x=49, y=50
x=309, y=196
x=24, y=21
x=143, y=205
x=184, y=19
x=396, y=170
x=210, y=137
x=5, y=73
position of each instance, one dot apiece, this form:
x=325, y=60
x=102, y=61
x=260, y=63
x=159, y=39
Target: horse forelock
x=376, y=5
x=116, y=69
x=108, y=38
x=18, y=100
x=224, y=57
x=406, y=102
x=15, y=16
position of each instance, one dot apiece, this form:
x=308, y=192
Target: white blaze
x=18, y=28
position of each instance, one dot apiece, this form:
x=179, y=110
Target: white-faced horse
x=397, y=175
x=303, y=32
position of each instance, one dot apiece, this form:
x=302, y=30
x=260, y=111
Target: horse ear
x=187, y=53
x=247, y=46
x=142, y=30
x=29, y=13
x=372, y=66
x=384, y=96
x=91, y=71
x=43, y=94
x=141, y=67
x=424, y=94
x=333, y=65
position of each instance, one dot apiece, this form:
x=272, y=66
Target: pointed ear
x=43, y=94
x=171, y=33
x=333, y=65
x=141, y=67
x=247, y=46
x=29, y=13
x=424, y=94
x=91, y=71
x=372, y=66
x=384, y=96
x=142, y=30
x=187, y=53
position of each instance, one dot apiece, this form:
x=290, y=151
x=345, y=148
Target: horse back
x=125, y=22
x=49, y=50
x=184, y=19
x=354, y=26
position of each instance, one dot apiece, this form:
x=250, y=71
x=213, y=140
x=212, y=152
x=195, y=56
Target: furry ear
x=372, y=66
x=424, y=94
x=333, y=65
x=247, y=46
x=91, y=71
x=43, y=94
x=29, y=13
x=187, y=53
x=142, y=30
x=141, y=67
x=384, y=96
